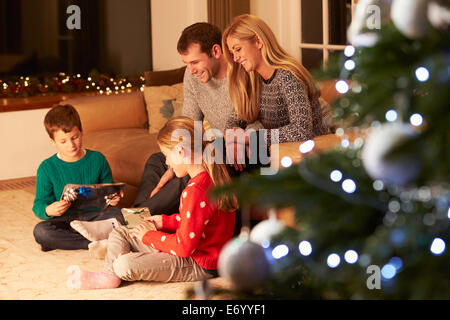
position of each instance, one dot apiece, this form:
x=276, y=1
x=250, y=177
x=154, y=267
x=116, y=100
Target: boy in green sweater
x=71, y=164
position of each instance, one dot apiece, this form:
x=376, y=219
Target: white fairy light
x=437, y=246
x=422, y=74
x=416, y=119
x=351, y=256
x=333, y=260
x=378, y=185
x=349, y=51
x=391, y=115
x=280, y=251
x=305, y=248
x=349, y=65
x=306, y=146
x=336, y=176
x=342, y=86
x=349, y=186
x=388, y=271
x=286, y=162
x=345, y=143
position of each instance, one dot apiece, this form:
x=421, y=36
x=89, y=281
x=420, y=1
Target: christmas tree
x=372, y=215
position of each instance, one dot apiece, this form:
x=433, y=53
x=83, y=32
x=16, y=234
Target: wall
x=283, y=17
x=169, y=18
x=127, y=37
x=24, y=143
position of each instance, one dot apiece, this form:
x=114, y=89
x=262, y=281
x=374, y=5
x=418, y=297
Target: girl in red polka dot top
x=181, y=247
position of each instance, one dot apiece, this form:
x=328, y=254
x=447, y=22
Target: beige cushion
x=163, y=103
x=126, y=110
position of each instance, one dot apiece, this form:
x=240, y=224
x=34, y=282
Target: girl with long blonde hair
x=267, y=84
x=184, y=246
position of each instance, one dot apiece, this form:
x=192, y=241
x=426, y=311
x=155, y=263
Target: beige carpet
x=28, y=273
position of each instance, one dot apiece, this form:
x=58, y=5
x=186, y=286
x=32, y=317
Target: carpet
x=28, y=273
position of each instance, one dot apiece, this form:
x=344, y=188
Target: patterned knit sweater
x=285, y=106
x=200, y=229
x=53, y=174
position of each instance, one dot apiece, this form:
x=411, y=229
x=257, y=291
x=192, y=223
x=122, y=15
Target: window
x=324, y=26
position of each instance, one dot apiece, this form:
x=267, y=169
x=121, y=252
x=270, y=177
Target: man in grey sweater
x=206, y=95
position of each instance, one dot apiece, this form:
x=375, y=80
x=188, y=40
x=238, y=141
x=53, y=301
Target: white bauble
x=244, y=264
x=266, y=229
x=371, y=15
x=439, y=14
x=381, y=141
x=410, y=17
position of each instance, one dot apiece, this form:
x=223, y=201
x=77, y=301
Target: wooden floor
x=27, y=184
x=29, y=273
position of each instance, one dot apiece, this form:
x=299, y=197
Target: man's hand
x=166, y=177
x=57, y=208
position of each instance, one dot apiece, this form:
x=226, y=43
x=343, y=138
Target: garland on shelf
x=27, y=86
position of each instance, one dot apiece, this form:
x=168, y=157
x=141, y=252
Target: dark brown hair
x=205, y=34
x=64, y=117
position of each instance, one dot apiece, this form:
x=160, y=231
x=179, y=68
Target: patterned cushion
x=163, y=103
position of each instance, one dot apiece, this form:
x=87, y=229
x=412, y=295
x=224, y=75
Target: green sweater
x=53, y=174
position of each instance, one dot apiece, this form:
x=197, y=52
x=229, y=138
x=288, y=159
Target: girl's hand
x=156, y=220
x=139, y=231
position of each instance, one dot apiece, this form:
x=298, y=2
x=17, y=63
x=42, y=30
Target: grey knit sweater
x=208, y=100
x=285, y=106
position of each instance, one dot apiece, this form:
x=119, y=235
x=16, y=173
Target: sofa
x=124, y=126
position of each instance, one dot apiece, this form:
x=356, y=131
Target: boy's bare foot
x=86, y=280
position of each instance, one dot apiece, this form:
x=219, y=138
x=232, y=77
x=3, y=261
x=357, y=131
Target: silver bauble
x=243, y=263
x=410, y=17
x=439, y=15
x=381, y=141
x=266, y=229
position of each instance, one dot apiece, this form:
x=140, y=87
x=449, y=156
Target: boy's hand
x=115, y=200
x=57, y=208
x=156, y=220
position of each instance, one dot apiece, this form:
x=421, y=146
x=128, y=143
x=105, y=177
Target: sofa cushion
x=126, y=110
x=164, y=77
x=126, y=150
x=163, y=103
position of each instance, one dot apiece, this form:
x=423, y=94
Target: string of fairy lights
x=349, y=186
x=27, y=86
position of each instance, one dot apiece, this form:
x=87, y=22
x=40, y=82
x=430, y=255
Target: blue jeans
x=57, y=233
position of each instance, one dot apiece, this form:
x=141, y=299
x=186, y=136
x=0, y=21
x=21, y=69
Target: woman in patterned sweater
x=267, y=84
x=184, y=246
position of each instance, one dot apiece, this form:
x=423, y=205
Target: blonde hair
x=245, y=87
x=218, y=172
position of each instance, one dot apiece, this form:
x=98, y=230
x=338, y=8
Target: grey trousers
x=132, y=260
